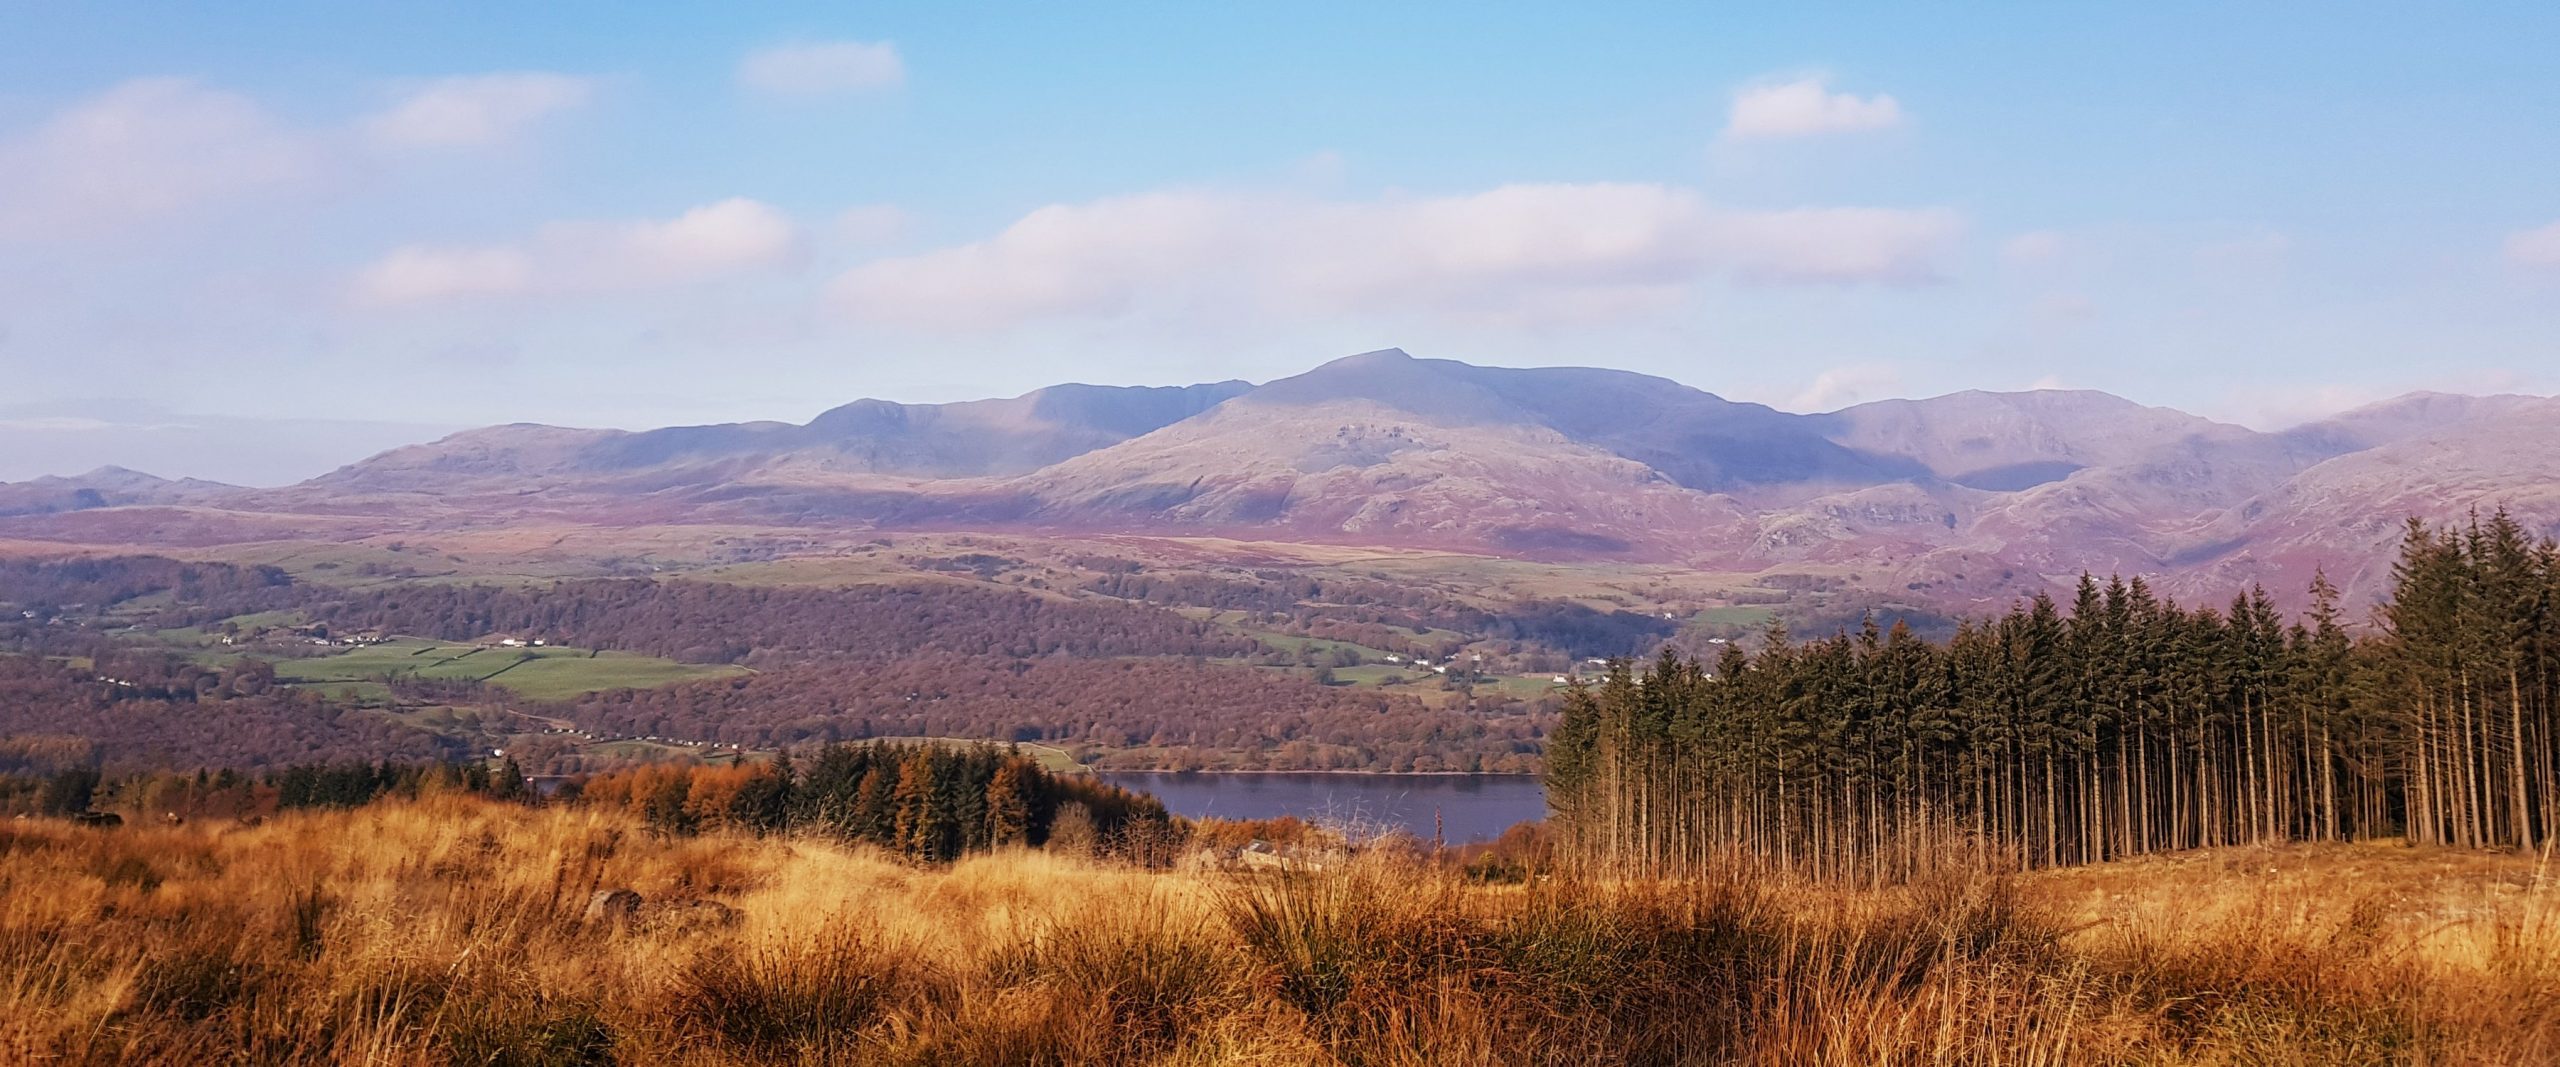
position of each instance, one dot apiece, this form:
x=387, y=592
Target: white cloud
x=1807, y=107
x=707, y=242
x=475, y=110
x=147, y=149
x=1840, y=387
x=2538, y=247
x=420, y=273
x=1520, y=252
x=823, y=68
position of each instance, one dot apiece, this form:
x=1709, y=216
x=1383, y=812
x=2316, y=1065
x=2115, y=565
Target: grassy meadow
x=455, y=930
x=546, y=673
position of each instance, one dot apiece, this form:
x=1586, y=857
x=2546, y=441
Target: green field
x=1235, y=621
x=1427, y=685
x=532, y=673
x=265, y=620
x=1379, y=673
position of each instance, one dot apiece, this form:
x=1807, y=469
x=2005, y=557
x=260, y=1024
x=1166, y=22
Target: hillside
x=568, y=934
x=1958, y=500
x=102, y=488
x=969, y=439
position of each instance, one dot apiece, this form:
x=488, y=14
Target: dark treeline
x=709, y=622
x=230, y=793
x=1158, y=712
x=2127, y=725
x=1578, y=630
x=929, y=802
x=1201, y=590
x=355, y=784
x=188, y=593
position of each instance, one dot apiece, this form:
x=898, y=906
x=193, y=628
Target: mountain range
x=1953, y=499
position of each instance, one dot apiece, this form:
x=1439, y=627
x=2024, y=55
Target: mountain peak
x=113, y=473
x=1374, y=356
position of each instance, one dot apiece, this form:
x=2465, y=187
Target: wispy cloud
x=475, y=110
x=823, y=68
x=2538, y=247
x=1806, y=107
x=1559, y=251
x=147, y=150
x=707, y=242
x=156, y=150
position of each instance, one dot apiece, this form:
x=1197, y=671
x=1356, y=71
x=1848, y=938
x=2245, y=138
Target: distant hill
x=102, y=488
x=976, y=438
x=1956, y=499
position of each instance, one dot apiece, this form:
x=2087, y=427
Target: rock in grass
x=613, y=907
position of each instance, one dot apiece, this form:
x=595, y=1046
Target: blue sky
x=354, y=227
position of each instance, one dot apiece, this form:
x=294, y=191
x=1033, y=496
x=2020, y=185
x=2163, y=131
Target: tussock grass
x=452, y=930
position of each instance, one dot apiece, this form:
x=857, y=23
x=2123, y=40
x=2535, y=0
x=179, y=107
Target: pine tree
x=2129, y=725
x=1009, y=805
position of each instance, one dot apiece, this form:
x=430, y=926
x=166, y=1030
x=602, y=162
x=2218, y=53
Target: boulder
x=613, y=907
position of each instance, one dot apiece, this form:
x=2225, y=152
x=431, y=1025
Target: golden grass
x=452, y=930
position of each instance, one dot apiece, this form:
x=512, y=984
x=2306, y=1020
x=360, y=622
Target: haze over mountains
x=1952, y=499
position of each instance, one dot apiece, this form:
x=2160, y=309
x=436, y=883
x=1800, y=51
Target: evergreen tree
x=2129, y=725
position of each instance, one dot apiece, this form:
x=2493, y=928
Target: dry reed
x=453, y=930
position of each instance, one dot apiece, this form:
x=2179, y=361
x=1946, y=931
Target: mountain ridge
x=1921, y=495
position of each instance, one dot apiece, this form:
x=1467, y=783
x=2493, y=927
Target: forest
x=1386, y=614
x=1140, y=713
x=931, y=659
x=139, y=710
x=928, y=802
x=712, y=622
x=195, y=592
x=2126, y=725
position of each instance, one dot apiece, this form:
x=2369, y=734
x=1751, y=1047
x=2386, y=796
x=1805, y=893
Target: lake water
x=1471, y=807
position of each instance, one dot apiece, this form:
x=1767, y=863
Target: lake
x=1471, y=807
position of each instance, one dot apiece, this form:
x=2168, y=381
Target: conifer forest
x=2122, y=724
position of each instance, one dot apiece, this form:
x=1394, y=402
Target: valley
x=1385, y=563
x=902, y=535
